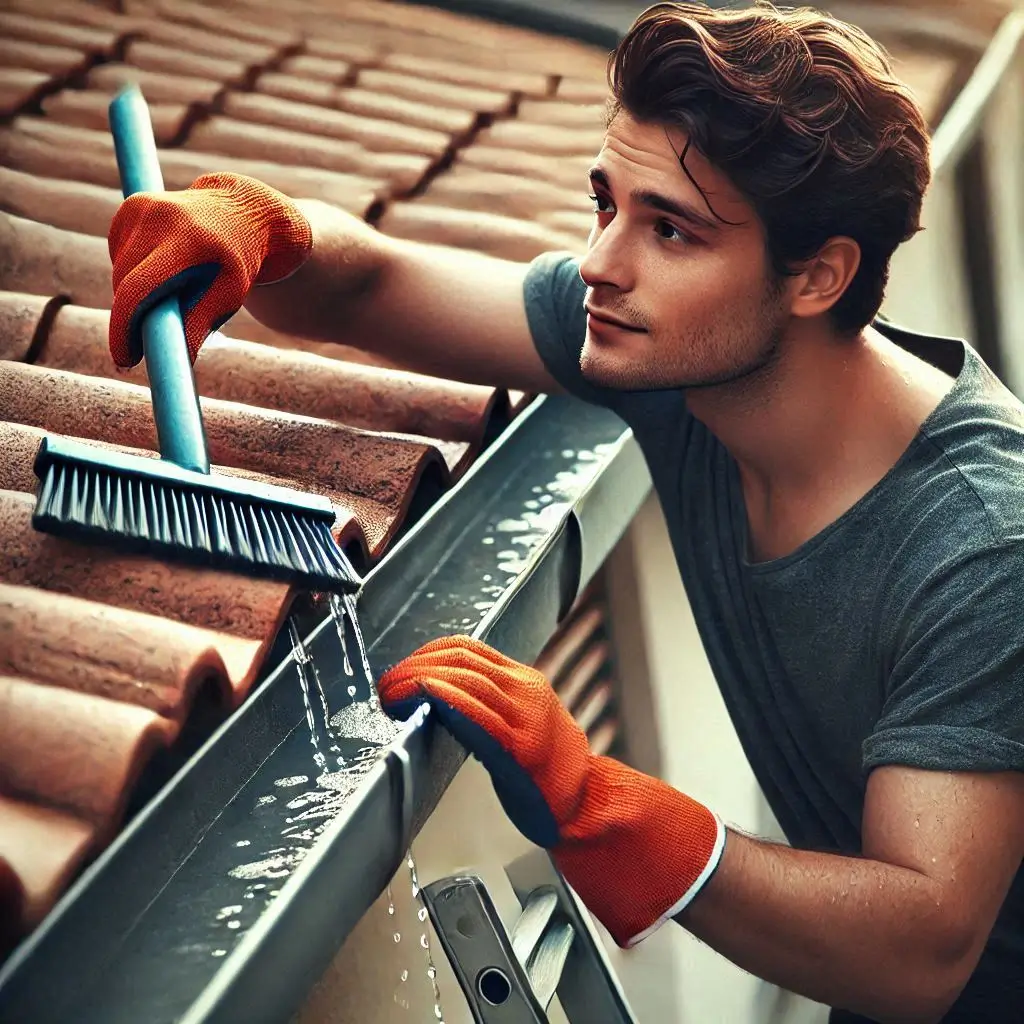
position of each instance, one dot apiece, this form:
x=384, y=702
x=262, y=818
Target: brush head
x=155, y=507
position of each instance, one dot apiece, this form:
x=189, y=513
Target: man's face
x=694, y=298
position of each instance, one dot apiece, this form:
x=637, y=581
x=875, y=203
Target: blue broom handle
x=176, y=410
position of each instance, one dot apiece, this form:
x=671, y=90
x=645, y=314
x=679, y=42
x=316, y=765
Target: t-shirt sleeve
x=554, y=293
x=955, y=690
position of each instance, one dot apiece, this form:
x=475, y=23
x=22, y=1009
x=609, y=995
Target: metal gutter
x=178, y=919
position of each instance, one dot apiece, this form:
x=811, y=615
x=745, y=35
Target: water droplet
x=243, y=842
x=398, y=936
x=292, y=780
x=424, y=942
x=431, y=972
x=487, y=540
x=234, y=924
x=422, y=914
x=405, y=975
x=352, y=691
x=263, y=800
x=568, y=453
x=219, y=952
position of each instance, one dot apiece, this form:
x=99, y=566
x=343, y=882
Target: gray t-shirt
x=894, y=636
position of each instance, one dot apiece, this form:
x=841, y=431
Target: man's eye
x=601, y=204
x=667, y=230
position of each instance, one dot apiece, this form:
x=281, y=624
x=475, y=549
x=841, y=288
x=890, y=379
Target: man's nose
x=607, y=261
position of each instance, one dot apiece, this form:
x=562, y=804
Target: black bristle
x=203, y=527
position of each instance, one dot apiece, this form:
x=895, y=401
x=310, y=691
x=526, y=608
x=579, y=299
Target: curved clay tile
x=54, y=60
x=471, y=188
x=591, y=707
x=319, y=69
x=226, y=602
x=367, y=103
x=568, y=172
x=571, y=687
x=159, y=57
x=86, y=108
x=18, y=447
x=20, y=316
x=75, y=13
x=54, y=33
x=570, y=641
x=421, y=88
x=219, y=45
x=368, y=397
x=299, y=88
x=118, y=653
x=191, y=13
x=571, y=115
x=339, y=48
x=582, y=90
x=375, y=474
x=504, y=237
x=45, y=848
x=19, y=87
x=42, y=147
x=74, y=751
x=43, y=260
x=71, y=205
x=157, y=86
x=450, y=120
x=385, y=136
x=64, y=135
x=544, y=139
x=575, y=223
x=529, y=84
x=257, y=141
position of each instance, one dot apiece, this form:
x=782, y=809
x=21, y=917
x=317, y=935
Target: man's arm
x=433, y=309
x=895, y=935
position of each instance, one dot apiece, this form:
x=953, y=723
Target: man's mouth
x=611, y=321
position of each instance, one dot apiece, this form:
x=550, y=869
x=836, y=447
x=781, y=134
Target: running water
x=302, y=660
x=421, y=915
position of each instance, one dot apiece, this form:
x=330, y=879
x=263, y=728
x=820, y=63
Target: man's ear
x=824, y=277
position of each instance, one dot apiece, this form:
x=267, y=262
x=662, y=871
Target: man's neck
x=819, y=428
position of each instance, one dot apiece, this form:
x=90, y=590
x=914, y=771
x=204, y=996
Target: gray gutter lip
x=137, y=937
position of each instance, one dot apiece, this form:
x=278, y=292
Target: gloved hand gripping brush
x=174, y=506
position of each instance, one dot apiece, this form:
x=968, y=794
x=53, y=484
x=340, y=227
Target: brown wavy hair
x=802, y=113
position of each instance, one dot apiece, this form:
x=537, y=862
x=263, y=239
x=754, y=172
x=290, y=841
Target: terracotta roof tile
x=454, y=122
x=19, y=87
x=320, y=69
x=54, y=60
x=218, y=45
x=364, y=107
x=158, y=86
x=257, y=141
x=159, y=57
x=491, y=233
x=72, y=205
x=86, y=108
x=527, y=83
x=20, y=318
x=44, y=848
x=492, y=100
x=575, y=90
x=54, y=33
x=87, y=771
x=385, y=136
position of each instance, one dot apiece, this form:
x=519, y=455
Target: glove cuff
x=639, y=851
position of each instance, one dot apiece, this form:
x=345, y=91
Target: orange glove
x=209, y=244
x=634, y=849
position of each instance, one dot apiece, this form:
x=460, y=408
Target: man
x=843, y=499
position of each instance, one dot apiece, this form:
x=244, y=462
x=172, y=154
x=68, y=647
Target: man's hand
x=207, y=244
x=633, y=848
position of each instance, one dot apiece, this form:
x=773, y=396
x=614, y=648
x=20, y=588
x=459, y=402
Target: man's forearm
x=858, y=934
x=326, y=297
